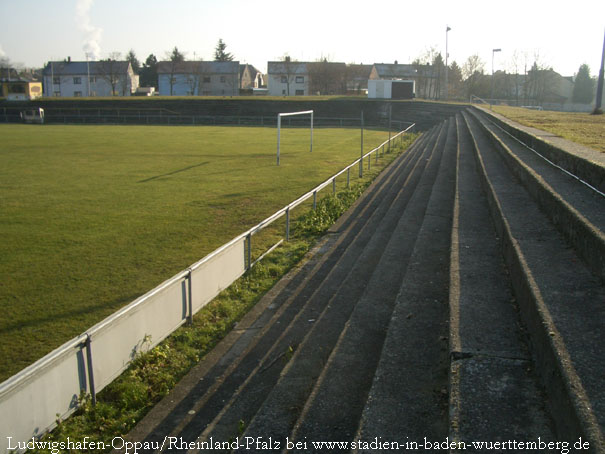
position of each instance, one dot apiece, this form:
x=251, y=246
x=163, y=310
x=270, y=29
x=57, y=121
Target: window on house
x=56, y=94
x=223, y=79
x=300, y=79
x=92, y=80
x=57, y=80
x=77, y=94
x=283, y=92
x=16, y=88
x=284, y=79
x=77, y=80
x=300, y=92
x=206, y=79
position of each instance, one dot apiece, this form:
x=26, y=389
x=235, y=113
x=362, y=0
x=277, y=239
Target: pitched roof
x=192, y=67
x=394, y=71
x=78, y=68
x=253, y=71
x=287, y=67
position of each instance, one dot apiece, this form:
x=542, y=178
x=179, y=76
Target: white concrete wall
x=31, y=400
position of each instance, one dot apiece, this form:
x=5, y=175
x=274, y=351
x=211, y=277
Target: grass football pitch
x=94, y=216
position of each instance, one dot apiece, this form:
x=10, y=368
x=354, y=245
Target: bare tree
x=518, y=58
x=327, y=78
x=195, y=77
x=110, y=71
x=289, y=70
x=176, y=59
x=473, y=71
x=426, y=75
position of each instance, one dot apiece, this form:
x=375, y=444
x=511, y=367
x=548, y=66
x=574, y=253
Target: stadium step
x=575, y=209
x=322, y=392
x=560, y=300
x=338, y=295
x=257, y=365
x=408, y=396
x=494, y=394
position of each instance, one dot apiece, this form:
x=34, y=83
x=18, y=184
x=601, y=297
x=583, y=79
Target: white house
x=94, y=78
x=198, y=78
x=287, y=78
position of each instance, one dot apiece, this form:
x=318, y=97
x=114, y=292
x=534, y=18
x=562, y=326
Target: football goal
x=291, y=114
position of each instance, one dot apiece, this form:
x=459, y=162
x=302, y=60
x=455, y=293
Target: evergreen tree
x=454, y=78
x=583, y=89
x=134, y=61
x=220, y=53
x=176, y=55
x=149, y=72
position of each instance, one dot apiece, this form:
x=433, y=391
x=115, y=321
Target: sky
x=561, y=35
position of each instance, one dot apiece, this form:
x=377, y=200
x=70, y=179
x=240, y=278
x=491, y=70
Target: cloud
x=92, y=34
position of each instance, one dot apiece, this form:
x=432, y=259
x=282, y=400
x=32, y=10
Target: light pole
x=492, y=91
x=447, y=29
x=597, y=109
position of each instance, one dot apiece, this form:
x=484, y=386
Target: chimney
x=68, y=59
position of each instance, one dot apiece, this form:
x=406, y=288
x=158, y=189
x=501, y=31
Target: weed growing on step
x=152, y=374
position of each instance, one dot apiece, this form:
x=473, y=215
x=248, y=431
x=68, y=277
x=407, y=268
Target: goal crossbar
x=291, y=114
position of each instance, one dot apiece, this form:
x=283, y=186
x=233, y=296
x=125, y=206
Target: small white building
x=94, y=78
x=391, y=89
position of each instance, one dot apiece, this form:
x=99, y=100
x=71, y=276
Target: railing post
x=333, y=186
x=361, y=158
x=91, y=375
x=190, y=299
x=348, y=177
x=288, y=224
x=311, y=149
x=248, y=252
x=314, y=200
x=278, y=133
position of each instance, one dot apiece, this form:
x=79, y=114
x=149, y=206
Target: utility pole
x=491, y=98
x=597, y=109
x=447, y=29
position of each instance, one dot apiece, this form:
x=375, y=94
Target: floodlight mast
x=290, y=114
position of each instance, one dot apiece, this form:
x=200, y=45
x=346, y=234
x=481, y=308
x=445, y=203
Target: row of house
x=208, y=78
x=284, y=78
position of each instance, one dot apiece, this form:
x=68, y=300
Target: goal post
x=291, y=114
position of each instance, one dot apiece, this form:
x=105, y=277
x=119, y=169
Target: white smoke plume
x=2, y=53
x=92, y=34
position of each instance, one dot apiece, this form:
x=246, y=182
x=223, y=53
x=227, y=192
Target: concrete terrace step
x=263, y=352
x=408, y=397
x=335, y=380
x=338, y=296
x=576, y=209
x=560, y=300
x=494, y=393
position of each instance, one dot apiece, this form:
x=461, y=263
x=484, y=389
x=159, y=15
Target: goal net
x=290, y=114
